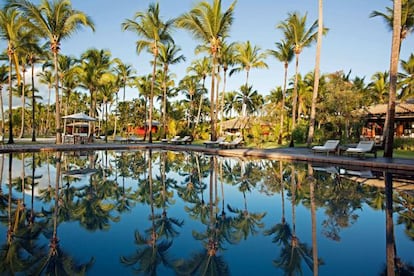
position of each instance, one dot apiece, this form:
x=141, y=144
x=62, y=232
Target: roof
x=236, y=123
x=382, y=109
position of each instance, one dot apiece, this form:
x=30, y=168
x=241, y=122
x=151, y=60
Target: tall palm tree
x=406, y=21
x=4, y=76
x=154, y=31
x=297, y=33
x=46, y=77
x=94, y=64
x=226, y=59
x=395, y=56
x=168, y=55
x=407, y=18
x=201, y=69
x=284, y=54
x=125, y=72
x=316, y=74
x=55, y=21
x=210, y=25
x=248, y=57
x=11, y=26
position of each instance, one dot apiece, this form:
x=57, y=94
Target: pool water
x=186, y=213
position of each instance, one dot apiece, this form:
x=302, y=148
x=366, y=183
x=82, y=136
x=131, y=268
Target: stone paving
x=291, y=154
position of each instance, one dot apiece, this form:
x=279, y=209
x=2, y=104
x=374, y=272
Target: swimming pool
x=167, y=213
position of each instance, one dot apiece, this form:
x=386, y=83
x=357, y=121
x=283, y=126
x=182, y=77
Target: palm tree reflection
x=152, y=251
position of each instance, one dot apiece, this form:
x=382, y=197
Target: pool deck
x=301, y=154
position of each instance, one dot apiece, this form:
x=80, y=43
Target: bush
x=404, y=143
x=300, y=133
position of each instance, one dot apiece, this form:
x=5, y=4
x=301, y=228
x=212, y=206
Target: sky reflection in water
x=207, y=214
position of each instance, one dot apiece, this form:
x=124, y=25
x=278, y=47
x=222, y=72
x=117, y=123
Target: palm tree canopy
x=248, y=57
x=150, y=27
x=296, y=31
x=208, y=23
x=407, y=17
x=284, y=52
x=55, y=20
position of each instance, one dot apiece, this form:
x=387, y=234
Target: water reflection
x=161, y=212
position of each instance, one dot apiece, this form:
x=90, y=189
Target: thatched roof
x=379, y=109
x=236, y=123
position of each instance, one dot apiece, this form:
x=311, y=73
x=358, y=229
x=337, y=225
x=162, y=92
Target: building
x=375, y=118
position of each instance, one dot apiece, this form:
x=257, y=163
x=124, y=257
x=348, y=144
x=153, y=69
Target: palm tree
x=168, y=55
x=395, y=56
x=154, y=31
x=210, y=25
x=54, y=21
x=406, y=21
x=4, y=76
x=226, y=59
x=11, y=26
x=407, y=18
x=94, y=64
x=201, y=69
x=46, y=77
x=296, y=32
x=316, y=74
x=248, y=57
x=379, y=87
x=284, y=54
x=125, y=72
x=246, y=98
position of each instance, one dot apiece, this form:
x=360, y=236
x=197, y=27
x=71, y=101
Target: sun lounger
x=181, y=141
x=214, y=143
x=328, y=147
x=120, y=139
x=233, y=144
x=363, y=148
x=134, y=139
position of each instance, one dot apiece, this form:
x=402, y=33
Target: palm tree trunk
x=295, y=93
x=389, y=226
x=23, y=98
x=33, y=106
x=282, y=113
x=151, y=103
x=48, y=110
x=57, y=100
x=316, y=76
x=11, y=141
x=294, y=100
x=164, y=104
x=213, y=136
x=395, y=55
x=116, y=117
x=313, y=217
x=2, y=115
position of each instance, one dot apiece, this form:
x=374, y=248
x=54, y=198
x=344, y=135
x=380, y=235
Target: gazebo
x=77, y=131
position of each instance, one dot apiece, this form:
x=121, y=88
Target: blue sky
x=355, y=41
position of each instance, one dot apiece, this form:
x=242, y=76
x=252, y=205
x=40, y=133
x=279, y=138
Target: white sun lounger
x=362, y=148
x=328, y=147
